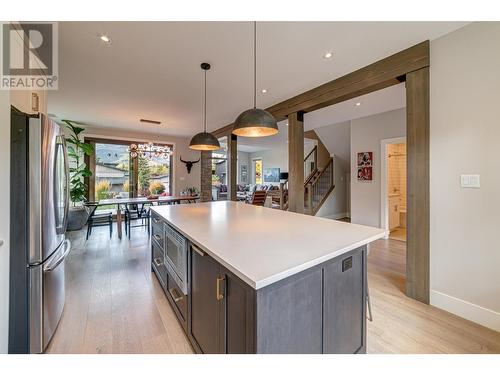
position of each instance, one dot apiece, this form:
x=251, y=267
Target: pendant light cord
x=205, y=105
x=255, y=64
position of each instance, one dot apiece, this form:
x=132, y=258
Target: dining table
x=174, y=199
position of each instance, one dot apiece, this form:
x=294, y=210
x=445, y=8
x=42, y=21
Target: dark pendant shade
x=255, y=123
x=204, y=142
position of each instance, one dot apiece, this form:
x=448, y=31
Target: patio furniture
x=140, y=200
x=97, y=220
x=136, y=212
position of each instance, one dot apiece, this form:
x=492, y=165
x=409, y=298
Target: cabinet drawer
x=158, y=231
x=159, y=266
x=179, y=299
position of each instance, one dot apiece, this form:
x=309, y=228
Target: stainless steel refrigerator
x=39, y=213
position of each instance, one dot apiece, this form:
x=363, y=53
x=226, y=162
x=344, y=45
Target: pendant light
x=204, y=141
x=255, y=122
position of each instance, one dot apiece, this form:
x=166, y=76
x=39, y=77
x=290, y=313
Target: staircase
x=318, y=184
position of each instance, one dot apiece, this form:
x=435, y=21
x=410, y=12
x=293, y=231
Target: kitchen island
x=247, y=279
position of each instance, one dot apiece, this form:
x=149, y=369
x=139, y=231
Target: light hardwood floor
x=398, y=234
x=403, y=325
x=114, y=304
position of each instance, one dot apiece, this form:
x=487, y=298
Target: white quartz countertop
x=263, y=245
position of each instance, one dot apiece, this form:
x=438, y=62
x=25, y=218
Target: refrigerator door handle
x=50, y=266
x=67, y=187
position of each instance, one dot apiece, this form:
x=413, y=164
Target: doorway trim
x=384, y=201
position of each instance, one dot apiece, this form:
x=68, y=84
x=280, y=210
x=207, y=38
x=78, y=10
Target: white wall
x=4, y=217
x=244, y=159
x=337, y=139
x=181, y=178
x=275, y=158
x=366, y=134
x=464, y=139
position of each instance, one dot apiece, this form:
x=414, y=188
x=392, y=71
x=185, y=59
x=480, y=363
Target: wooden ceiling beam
x=381, y=74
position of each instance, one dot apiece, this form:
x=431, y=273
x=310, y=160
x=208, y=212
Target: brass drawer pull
x=176, y=295
x=157, y=262
x=200, y=252
x=220, y=296
x=156, y=220
x=157, y=237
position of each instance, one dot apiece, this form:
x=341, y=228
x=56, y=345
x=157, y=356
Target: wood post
x=296, y=162
x=90, y=161
x=206, y=176
x=232, y=167
x=418, y=211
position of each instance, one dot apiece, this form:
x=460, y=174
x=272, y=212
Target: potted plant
x=77, y=149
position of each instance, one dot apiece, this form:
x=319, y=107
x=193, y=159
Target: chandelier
x=150, y=150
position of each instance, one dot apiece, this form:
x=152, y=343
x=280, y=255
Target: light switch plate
x=470, y=181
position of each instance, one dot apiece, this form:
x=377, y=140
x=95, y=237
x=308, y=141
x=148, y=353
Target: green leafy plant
x=77, y=149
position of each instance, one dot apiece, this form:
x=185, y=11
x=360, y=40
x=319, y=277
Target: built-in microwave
x=176, y=252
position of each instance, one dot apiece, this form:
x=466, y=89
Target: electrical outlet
x=470, y=181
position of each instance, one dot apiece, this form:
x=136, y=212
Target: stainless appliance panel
x=35, y=309
x=35, y=190
x=49, y=188
x=47, y=294
x=176, y=250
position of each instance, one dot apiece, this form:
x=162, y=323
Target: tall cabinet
x=221, y=308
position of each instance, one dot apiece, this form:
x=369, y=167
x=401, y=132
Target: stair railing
x=311, y=164
x=319, y=188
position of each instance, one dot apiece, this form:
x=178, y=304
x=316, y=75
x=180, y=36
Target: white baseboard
x=466, y=310
x=336, y=216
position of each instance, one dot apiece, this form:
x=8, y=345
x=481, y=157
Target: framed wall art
x=365, y=166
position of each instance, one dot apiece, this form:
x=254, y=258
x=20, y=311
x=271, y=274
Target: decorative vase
x=77, y=217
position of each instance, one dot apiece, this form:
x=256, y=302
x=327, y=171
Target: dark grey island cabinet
x=320, y=310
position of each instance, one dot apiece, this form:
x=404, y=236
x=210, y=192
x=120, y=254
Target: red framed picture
x=365, y=159
x=365, y=173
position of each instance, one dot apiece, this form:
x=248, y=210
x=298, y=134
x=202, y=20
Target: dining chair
x=97, y=220
x=137, y=212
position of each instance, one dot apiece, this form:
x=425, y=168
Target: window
x=257, y=168
x=153, y=175
x=118, y=172
x=219, y=172
x=112, y=171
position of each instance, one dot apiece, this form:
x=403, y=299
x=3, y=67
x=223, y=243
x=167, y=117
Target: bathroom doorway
x=393, y=189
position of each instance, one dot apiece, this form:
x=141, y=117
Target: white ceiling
x=388, y=99
x=151, y=69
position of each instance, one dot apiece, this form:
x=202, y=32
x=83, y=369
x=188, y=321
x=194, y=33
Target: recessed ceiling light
x=264, y=91
x=358, y=104
x=105, y=38
x=328, y=55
